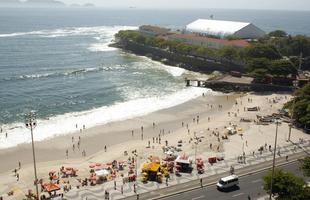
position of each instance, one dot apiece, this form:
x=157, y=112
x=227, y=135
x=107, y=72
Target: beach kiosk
x=50, y=190
x=151, y=171
x=183, y=164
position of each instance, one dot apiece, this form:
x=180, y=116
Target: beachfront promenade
x=188, y=182
x=209, y=118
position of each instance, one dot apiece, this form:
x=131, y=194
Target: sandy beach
x=216, y=112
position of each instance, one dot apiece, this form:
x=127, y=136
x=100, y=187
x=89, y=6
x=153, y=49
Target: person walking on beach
x=17, y=176
x=72, y=139
x=105, y=148
x=153, y=125
x=142, y=129
x=73, y=147
x=67, y=153
x=19, y=165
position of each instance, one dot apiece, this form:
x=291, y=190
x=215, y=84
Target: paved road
x=249, y=185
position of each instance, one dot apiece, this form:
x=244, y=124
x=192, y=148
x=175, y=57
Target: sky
x=229, y=4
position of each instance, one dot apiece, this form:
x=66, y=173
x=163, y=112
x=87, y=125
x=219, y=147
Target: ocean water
x=58, y=63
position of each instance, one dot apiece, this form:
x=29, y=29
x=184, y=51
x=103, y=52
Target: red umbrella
x=92, y=165
x=93, y=178
x=50, y=187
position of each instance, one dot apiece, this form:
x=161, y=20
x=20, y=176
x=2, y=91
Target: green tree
x=300, y=44
x=278, y=33
x=300, y=105
x=229, y=52
x=286, y=186
x=282, y=68
x=261, y=51
x=305, y=166
x=257, y=63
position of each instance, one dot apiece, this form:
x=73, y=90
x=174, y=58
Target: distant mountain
x=44, y=3
x=89, y=5
x=9, y=2
x=32, y=3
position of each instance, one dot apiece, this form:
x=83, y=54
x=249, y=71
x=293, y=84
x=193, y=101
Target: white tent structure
x=220, y=28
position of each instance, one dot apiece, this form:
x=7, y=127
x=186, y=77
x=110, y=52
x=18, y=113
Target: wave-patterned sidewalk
x=98, y=192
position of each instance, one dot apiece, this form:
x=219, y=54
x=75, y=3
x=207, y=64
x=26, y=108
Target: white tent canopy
x=224, y=28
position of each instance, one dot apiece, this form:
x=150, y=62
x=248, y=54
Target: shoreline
x=120, y=129
x=117, y=137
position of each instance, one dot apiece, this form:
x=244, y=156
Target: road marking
x=200, y=197
x=238, y=194
x=258, y=180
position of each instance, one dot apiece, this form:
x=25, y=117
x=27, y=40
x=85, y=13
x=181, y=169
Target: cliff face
x=192, y=63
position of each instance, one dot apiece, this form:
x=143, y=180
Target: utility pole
x=31, y=123
x=274, y=158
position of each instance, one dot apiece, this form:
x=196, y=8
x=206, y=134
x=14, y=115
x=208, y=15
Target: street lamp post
x=274, y=157
x=295, y=84
x=30, y=122
x=136, y=172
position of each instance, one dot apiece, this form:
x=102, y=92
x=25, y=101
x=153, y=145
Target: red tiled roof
x=197, y=38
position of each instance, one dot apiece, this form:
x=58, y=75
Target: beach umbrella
x=93, y=178
x=98, y=164
x=92, y=165
x=68, y=172
x=50, y=187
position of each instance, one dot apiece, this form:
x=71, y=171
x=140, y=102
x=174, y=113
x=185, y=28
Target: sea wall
x=224, y=86
x=189, y=62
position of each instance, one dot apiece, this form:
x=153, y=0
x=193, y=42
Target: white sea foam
x=64, y=124
x=149, y=63
x=101, y=47
x=73, y=31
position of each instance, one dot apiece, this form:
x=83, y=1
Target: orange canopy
x=50, y=187
x=155, y=159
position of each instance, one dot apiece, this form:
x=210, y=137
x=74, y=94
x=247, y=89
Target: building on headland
x=209, y=42
x=208, y=33
x=222, y=29
x=154, y=31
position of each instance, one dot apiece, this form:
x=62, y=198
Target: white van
x=228, y=182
